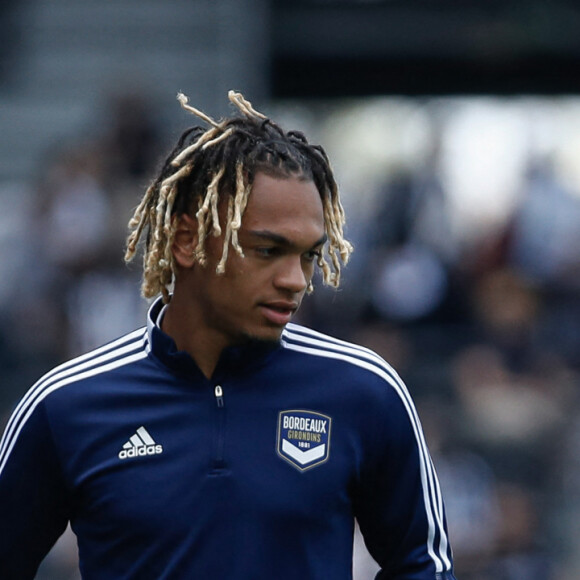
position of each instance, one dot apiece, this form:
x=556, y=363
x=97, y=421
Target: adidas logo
x=140, y=445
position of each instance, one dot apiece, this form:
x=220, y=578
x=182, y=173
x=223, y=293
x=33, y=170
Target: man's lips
x=279, y=312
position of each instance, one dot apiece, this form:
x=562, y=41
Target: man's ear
x=185, y=241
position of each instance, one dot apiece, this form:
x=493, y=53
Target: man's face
x=281, y=235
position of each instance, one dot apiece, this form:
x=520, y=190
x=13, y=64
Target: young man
x=222, y=441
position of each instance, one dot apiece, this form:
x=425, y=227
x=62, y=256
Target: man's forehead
x=285, y=206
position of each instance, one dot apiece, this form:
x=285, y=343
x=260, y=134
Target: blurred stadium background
x=454, y=127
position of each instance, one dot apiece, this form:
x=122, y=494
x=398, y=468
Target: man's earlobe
x=185, y=241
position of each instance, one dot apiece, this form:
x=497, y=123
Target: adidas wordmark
x=140, y=445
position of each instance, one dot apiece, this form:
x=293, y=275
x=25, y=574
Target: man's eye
x=266, y=252
x=312, y=255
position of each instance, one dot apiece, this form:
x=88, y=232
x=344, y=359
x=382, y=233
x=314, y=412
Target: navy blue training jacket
x=257, y=473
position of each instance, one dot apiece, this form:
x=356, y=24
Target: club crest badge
x=303, y=438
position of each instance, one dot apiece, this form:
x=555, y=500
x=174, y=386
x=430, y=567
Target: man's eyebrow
x=281, y=240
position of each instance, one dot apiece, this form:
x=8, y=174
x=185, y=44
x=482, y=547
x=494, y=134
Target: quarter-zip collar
x=234, y=359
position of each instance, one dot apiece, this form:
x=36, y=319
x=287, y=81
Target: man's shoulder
x=114, y=355
x=310, y=342
x=50, y=395
x=354, y=370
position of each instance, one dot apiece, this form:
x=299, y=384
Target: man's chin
x=266, y=339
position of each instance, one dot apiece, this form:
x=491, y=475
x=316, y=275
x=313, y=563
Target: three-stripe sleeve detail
x=125, y=350
x=308, y=341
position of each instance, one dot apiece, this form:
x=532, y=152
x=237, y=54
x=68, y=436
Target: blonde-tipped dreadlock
x=209, y=165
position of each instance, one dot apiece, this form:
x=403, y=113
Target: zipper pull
x=219, y=395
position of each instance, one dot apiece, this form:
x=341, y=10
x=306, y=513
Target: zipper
x=219, y=463
x=219, y=395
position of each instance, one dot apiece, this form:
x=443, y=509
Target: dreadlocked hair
x=210, y=165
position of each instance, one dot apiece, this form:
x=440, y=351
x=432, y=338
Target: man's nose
x=291, y=275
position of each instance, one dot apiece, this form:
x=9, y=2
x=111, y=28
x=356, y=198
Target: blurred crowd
x=486, y=335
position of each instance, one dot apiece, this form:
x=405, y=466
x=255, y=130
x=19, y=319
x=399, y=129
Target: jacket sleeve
x=33, y=497
x=398, y=502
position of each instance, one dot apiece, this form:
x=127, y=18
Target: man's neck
x=183, y=328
